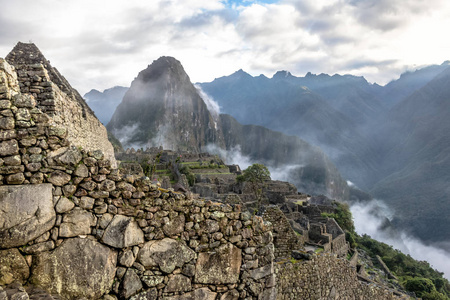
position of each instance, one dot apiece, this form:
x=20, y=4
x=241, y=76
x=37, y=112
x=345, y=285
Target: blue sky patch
x=247, y=2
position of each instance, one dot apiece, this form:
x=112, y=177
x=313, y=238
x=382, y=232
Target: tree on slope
x=256, y=176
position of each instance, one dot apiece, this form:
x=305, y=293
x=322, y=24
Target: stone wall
x=325, y=277
x=75, y=226
x=54, y=96
x=284, y=237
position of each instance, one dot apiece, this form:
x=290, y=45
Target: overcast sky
x=102, y=43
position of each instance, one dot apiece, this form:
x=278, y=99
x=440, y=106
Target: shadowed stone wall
x=325, y=277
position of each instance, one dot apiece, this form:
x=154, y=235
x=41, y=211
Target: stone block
x=165, y=254
x=77, y=222
x=262, y=272
x=13, y=267
x=219, y=267
x=178, y=283
x=59, y=178
x=174, y=226
x=9, y=148
x=198, y=294
x=123, y=232
x=17, y=178
x=64, y=205
x=78, y=268
x=26, y=212
x=131, y=284
x=7, y=123
x=151, y=281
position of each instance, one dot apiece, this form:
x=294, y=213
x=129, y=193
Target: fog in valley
x=369, y=218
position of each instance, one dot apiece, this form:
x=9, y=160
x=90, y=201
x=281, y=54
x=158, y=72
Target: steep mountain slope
x=104, y=103
x=162, y=107
x=416, y=163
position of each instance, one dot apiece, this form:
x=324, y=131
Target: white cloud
x=99, y=44
x=368, y=219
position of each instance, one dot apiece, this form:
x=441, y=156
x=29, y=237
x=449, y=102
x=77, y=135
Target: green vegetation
x=188, y=173
x=318, y=250
x=342, y=215
x=415, y=276
x=299, y=202
x=255, y=175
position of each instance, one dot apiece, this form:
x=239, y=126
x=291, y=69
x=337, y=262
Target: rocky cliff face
x=55, y=96
x=163, y=108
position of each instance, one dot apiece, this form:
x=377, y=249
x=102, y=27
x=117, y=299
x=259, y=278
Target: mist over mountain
x=417, y=160
x=331, y=112
x=163, y=108
x=104, y=103
x=391, y=141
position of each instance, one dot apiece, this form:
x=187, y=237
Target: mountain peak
x=240, y=73
x=163, y=108
x=164, y=67
x=282, y=74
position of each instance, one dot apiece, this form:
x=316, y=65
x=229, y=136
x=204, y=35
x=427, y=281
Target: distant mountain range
x=104, y=103
x=391, y=141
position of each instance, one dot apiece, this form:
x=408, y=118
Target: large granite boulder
x=76, y=269
x=123, y=232
x=219, y=267
x=26, y=212
x=165, y=254
x=13, y=267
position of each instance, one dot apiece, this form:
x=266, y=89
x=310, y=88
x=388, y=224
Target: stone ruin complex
x=72, y=226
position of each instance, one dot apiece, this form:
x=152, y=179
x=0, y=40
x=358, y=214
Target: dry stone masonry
x=55, y=97
x=326, y=277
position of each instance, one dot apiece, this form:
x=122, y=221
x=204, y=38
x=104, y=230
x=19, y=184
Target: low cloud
x=233, y=156
x=213, y=106
x=283, y=173
x=125, y=134
x=369, y=219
